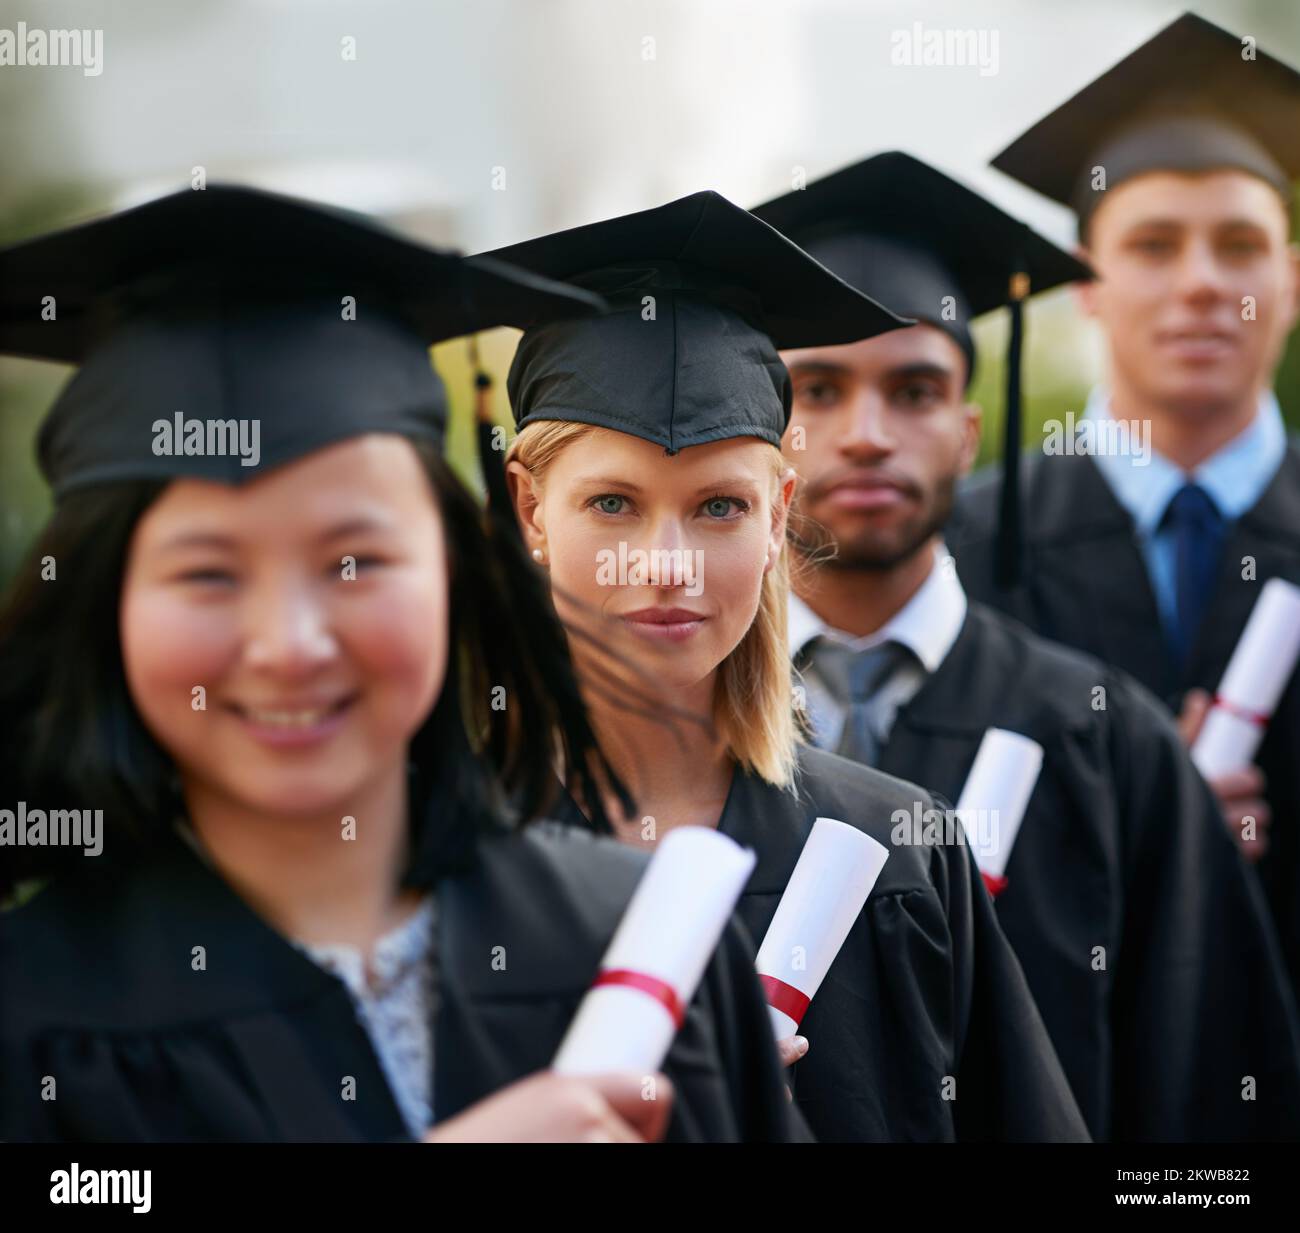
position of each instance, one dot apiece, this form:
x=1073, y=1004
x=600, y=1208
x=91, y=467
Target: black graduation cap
x=702, y=294
x=229, y=306
x=1193, y=98
x=934, y=249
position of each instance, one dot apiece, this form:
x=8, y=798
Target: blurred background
x=478, y=124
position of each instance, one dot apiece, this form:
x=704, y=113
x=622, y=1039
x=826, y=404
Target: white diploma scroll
x=657, y=955
x=993, y=802
x=836, y=871
x=1257, y=673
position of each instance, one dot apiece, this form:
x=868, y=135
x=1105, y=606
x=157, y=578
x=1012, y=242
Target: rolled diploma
x=1000, y=783
x=831, y=881
x=668, y=933
x=1257, y=673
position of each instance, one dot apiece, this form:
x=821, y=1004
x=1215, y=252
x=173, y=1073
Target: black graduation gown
x=1085, y=583
x=1122, y=847
x=96, y=990
x=925, y=987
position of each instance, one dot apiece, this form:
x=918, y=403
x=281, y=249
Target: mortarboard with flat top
x=919, y=241
x=701, y=294
x=930, y=247
x=1193, y=98
x=229, y=305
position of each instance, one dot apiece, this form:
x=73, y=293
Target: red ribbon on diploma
x=660, y=990
x=995, y=883
x=785, y=998
x=1251, y=717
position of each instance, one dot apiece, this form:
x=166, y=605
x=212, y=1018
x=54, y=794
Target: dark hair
x=70, y=733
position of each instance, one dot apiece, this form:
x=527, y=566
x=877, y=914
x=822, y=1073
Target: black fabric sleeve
x=1009, y=1083
x=1203, y=1025
x=756, y=1086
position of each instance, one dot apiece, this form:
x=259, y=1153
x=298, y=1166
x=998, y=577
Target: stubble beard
x=873, y=551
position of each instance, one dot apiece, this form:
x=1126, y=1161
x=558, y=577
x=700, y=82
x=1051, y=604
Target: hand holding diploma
x=550, y=1108
x=1257, y=673
x=657, y=956
x=1240, y=793
x=790, y=1049
x=994, y=799
x=1224, y=733
x=836, y=870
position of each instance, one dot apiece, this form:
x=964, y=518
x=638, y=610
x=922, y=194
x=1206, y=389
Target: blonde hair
x=753, y=706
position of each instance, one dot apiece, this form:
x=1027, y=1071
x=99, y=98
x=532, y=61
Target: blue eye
x=602, y=504
x=721, y=507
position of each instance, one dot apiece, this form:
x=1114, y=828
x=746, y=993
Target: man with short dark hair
x=1143, y=935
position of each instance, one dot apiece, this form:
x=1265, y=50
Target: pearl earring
x=539, y=556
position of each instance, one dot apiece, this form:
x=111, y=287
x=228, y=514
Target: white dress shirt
x=928, y=625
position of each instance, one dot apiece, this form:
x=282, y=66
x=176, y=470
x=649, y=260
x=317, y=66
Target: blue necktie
x=1197, y=529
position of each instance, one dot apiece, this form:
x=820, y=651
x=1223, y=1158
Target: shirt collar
x=1234, y=476
x=396, y=955
x=928, y=624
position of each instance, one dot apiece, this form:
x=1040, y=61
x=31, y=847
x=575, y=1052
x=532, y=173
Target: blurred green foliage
x=27, y=388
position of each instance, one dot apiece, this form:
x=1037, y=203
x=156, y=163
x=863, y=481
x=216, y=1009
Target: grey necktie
x=856, y=680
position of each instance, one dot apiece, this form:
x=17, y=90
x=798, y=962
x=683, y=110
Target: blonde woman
x=648, y=483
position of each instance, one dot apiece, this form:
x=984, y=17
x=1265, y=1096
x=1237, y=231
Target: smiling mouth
x=293, y=719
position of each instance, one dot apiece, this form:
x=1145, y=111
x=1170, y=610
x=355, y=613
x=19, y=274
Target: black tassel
x=1009, y=548
x=491, y=461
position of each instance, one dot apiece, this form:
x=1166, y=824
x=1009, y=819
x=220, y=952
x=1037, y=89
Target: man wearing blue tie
x=1179, y=162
